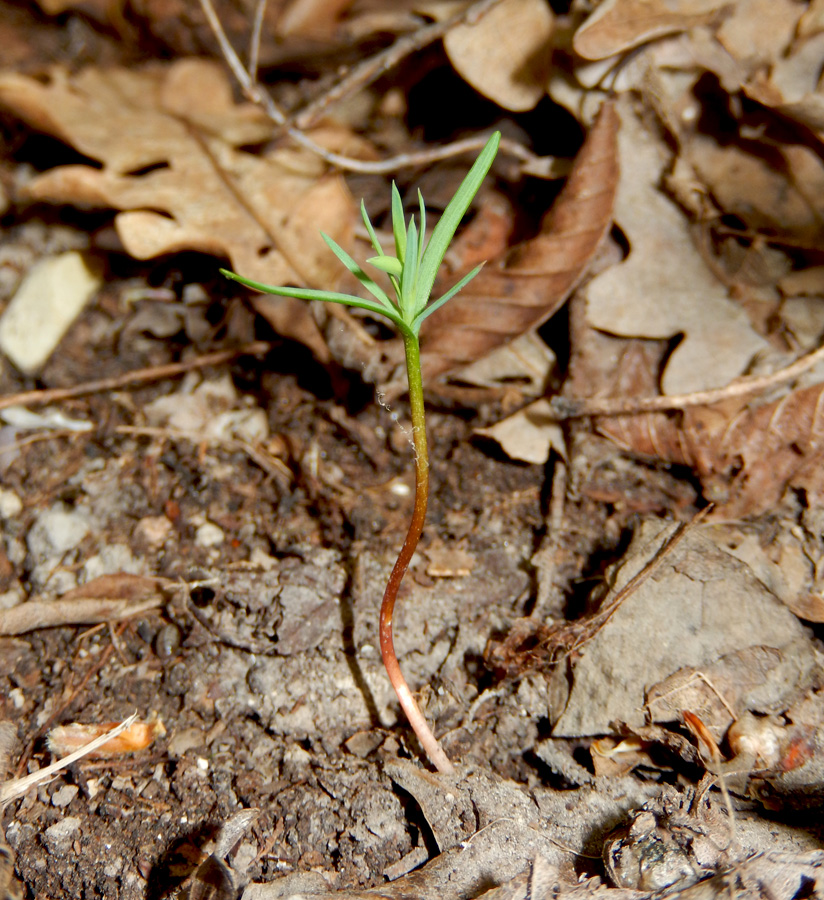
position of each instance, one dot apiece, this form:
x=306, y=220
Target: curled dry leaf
x=167, y=137
x=522, y=288
x=65, y=739
x=104, y=599
x=616, y=26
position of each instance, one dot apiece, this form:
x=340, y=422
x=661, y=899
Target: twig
x=567, y=408
x=592, y=625
x=254, y=92
x=371, y=69
x=254, y=41
x=136, y=376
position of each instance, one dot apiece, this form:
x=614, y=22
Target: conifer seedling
x=412, y=271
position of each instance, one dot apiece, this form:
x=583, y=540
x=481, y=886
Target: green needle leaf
x=370, y=229
x=374, y=289
x=410, y=272
x=398, y=224
x=451, y=218
x=326, y=296
x=387, y=264
x=416, y=324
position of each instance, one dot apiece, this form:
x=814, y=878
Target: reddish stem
x=427, y=739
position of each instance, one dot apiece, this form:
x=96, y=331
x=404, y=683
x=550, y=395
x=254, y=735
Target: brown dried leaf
x=101, y=600
x=619, y=25
x=506, y=54
x=522, y=289
x=65, y=739
x=665, y=287
x=746, y=457
x=778, y=191
x=167, y=138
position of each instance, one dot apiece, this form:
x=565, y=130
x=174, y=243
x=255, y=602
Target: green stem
x=427, y=739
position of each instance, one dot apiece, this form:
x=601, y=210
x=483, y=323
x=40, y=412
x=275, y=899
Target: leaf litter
x=711, y=275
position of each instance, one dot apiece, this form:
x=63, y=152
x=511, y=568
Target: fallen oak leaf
x=525, y=286
x=506, y=55
x=167, y=137
x=664, y=287
x=616, y=26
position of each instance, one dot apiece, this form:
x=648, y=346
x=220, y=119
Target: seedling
x=411, y=272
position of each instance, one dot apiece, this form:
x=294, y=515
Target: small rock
x=59, y=837
x=50, y=297
x=11, y=598
x=185, y=739
x=64, y=795
x=112, y=558
x=153, y=529
x=10, y=504
x=57, y=530
x=209, y=535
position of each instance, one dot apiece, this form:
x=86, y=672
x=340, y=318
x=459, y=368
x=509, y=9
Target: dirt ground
x=616, y=734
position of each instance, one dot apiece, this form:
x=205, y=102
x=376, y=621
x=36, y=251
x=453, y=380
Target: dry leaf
x=313, y=19
x=524, y=364
x=103, y=599
x=759, y=31
x=781, y=191
x=792, y=87
x=529, y=434
x=167, y=138
x=700, y=605
x=664, y=288
x=65, y=739
x=619, y=25
x=522, y=289
x=506, y=55
x=746, y=458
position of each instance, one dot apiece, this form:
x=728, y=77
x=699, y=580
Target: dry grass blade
x=524, y=288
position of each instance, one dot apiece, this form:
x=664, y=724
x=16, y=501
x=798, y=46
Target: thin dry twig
x=372, y=68
x=254, y=40
x=128, y=379
x=548, y=645
x=255, y=93
x=570, y=408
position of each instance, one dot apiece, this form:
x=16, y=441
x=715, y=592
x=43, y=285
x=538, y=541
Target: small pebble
x=64, y=795
x=209, y=535
x=59, y=837
x=10, y=504
x=56, y=531
x=153, y=529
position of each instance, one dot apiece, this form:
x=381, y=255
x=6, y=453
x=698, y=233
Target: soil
x=266, y=663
